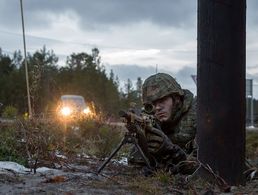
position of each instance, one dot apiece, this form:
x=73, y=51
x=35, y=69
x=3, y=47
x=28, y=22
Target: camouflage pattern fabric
x=181, y=136
x=183, y=132
x=158, y=86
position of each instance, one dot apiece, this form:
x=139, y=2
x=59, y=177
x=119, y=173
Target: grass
x=96, y=138
x=37, y=140
x=160, y=183
x=90, y=137
x=252, y=145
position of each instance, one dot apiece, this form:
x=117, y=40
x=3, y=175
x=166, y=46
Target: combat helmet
x=158, y=86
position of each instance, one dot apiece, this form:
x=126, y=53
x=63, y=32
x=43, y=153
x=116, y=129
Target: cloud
x=144, y=33
x=252, y=19
x=93, y=14
x=126, y=32
x=252, y=70
x=134, y=71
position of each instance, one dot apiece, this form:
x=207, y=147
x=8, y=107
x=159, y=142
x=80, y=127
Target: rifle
x=135, y=135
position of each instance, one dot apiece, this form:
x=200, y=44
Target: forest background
x=83, y=74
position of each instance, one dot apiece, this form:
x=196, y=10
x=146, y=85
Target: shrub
x=36, y=141
x=9, y=112
x=30, y=141
x=99, y=139
x=41, y=138
x=251, y=145
x=109, y=140
x=11, y=146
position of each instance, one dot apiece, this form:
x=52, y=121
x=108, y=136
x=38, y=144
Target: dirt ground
x=115, y=178
x=69, y=179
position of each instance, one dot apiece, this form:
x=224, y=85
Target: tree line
x=83, y=74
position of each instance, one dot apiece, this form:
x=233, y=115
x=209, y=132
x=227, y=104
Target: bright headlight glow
x=86, y=110
x=66, y=111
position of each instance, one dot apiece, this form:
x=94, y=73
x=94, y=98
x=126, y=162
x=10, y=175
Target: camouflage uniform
x=177, y=148
x=183, y=132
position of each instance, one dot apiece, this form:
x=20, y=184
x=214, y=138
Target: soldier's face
x=163, y=108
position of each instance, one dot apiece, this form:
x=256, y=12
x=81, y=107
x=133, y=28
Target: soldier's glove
x=135, y=156
x=160, y=145
x=155, y=139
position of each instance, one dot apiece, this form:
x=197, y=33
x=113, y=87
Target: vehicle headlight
x=66, y=111
x=86, y=110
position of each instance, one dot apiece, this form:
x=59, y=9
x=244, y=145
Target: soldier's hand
x=155, y=139
x=160, y=145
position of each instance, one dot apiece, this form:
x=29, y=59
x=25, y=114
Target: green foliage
x=251, y=144
x=88, y=78
x=9, y=112
x=83, y=75
x=97, y=138
x=109, y=139
x=11, y=146
x=163, y=176
x=30, y=141
x=12, y=84
x=42, y=75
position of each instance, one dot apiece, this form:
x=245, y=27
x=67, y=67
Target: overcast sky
x=133, y=36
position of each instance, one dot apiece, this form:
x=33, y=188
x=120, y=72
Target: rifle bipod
x=128, y=138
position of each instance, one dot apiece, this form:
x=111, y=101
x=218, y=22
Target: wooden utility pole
x=25, y=62
x=221, y=87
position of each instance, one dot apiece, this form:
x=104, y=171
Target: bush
x=36, y=141
x=97, y=138
x=11, y=147
x=251, y=145
x=42, y=139
x=29, y=141
x=109, y=140
x=9, y=112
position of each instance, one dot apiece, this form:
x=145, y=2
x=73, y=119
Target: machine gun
x=135, y=135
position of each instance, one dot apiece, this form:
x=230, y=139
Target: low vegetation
x=10, y=147
x=10, y=112
x=39, y=142
x=25, y=141
x=36, y=142
x=252, y=146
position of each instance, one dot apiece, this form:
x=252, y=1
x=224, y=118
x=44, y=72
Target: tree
x=80, y=61
x=42, y=72
x=96, y=57
x=13, y=89
x=128, y=87
x=6, y=64
x=111, y=75
x=139, y=87
x=83, y=75
x=17, y=59
x=87, y=77
x=131, y=94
